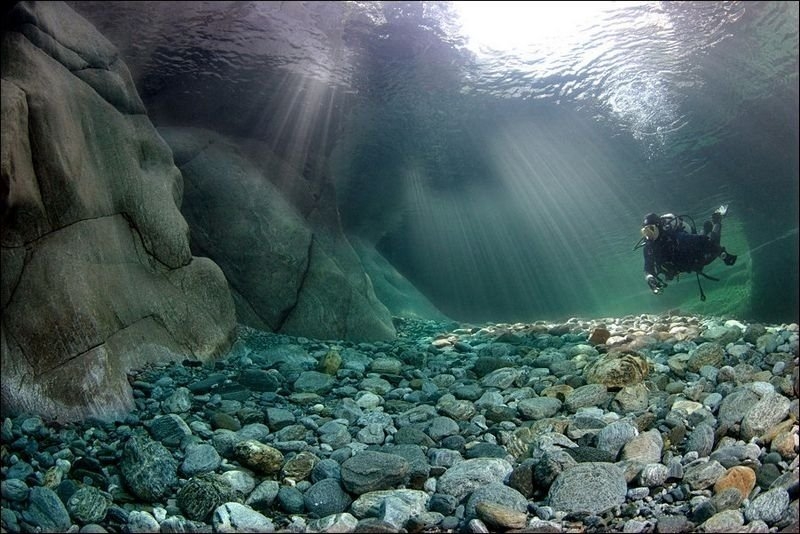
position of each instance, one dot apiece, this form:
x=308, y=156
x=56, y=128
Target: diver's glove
x=718, y=214
x=655, y=284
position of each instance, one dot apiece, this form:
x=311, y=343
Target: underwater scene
x=434, y=267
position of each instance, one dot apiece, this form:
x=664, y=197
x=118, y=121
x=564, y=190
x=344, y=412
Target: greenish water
x=505, y=173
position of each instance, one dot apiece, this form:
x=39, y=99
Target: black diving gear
x=672, y=246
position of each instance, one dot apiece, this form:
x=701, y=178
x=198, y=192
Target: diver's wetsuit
x=676, y=250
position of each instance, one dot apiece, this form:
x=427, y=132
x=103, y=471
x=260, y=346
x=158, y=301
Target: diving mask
x=650, y=232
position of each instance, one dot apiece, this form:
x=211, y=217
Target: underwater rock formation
x=98, y=276
x=289, y=272
x=392, y=288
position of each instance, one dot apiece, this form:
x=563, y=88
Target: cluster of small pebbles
x=637, y=424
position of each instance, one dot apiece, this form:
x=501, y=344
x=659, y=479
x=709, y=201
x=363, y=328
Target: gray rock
x=788, y=481
x=204, y=385
x=617, y=370
x=615, y=436
x=767, y=343
x=180, y=525
x=299, y=466
x=395, y=511
x=108, y=249
x=264, y=495
x=460, y=410
x=233, y=517
x=225, y=421
x=316, y=285
x=465, y=477
x=92, y=528
x=653, y=475
x=261, y=380
x=278, y=418
x=735, y=405
x=334, y=523
x=486, y=450
x=326, y=497
x=633, y=398
x=256, y=431
x=539, y=407
x=768, y=507
x=370, y=504
x=586, y=396
x=521, y=478
x=298, y=432
x=314, y=382
x=440, y=427
x=169, y=429
x=335, y=434
x=470, y=392
x=724, y=521
x=701, y=440
x=702, y=473
x=141, y=522
x=418, y=468
x=378, y=386
x=372, y=434
x=673, y=524
x=444, y=504
x=46, y=511
x=413, y=436
x=180, y=401
x=633, y=526
x=732, y=455
x=500, y=378
x=370, y=471
x=224, y=440
x=727, y=499
x=588, y=487
x=770, y=410
x=326, y=468
x=416, y=414
x=388, y=366
x=496, y=493
x=638, y=494
x=148, y=468
x=14, y=489
x=644, y=448
x=753, y=332
x=444, y=457
x=200, y=458
x=290, y=500
x=241, y=480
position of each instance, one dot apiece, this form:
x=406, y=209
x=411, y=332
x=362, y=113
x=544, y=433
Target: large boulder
x=98, y=276
x=290, y=266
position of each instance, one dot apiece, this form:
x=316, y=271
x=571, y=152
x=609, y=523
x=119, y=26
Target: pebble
x=634, y=424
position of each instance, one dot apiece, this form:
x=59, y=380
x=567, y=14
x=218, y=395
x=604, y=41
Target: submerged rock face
x=392, y=288
x=97, y=276
x=291, y=268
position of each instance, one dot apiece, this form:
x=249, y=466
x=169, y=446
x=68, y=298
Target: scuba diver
x=672, y=247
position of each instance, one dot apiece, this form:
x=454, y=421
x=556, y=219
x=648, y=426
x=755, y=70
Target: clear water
x=503, y=161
